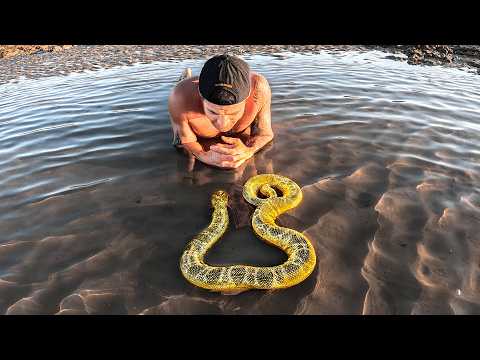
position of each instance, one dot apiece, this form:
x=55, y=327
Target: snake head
x=219, y=198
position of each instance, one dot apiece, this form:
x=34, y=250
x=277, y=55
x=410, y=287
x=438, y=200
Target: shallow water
x=96, y=206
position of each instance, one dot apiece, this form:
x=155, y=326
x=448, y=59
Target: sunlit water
x=96, y=206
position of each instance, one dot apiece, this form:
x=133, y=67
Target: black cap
x=224, y=74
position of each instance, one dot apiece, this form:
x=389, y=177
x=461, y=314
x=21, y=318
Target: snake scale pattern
x=237, y=278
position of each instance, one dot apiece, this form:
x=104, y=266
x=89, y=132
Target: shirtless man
x=221, y=117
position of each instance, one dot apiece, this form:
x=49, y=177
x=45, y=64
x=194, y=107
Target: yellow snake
x=237, y=278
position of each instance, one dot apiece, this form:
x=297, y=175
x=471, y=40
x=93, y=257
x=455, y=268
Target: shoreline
x=32, y=61
x=9, y=51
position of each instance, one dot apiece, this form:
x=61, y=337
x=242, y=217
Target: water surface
x=96, y=206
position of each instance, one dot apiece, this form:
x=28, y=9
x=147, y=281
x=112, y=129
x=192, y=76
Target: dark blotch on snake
x=303, y=255
x=264, y=277
x=194, y=270
x=291, y=268
x=237, y=275
x=278, y=275
x=214, y=275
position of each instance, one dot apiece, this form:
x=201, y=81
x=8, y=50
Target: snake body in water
x=237, y=278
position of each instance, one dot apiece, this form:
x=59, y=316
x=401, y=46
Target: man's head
x=224, y=85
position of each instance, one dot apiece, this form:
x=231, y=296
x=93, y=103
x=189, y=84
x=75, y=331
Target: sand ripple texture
x=96, y=206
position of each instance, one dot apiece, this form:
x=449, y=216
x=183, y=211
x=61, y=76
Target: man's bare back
x=221, y=135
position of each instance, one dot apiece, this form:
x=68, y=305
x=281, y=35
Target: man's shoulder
x=184, y=98
x=260, y=79
x=262, y=91
x=184, y=89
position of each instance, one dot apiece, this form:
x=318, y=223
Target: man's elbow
x=267, y=139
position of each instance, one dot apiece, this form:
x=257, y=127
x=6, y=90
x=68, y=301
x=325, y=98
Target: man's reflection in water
x=191, y=172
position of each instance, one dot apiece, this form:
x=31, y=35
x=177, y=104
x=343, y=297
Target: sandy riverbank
x=31, y=61
x=417, y=54
x=8, y=51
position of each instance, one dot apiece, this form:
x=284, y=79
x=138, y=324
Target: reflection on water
x=96, y=206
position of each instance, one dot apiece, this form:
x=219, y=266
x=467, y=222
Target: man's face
x=224, y=117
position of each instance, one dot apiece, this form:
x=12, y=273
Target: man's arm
x=262, y=133
x=207, y=157
x=187, y=137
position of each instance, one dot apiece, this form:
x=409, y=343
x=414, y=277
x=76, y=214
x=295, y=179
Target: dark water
x=96, y=206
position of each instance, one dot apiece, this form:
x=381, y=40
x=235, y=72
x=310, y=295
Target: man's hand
x=214, y=157
x=232, y=154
